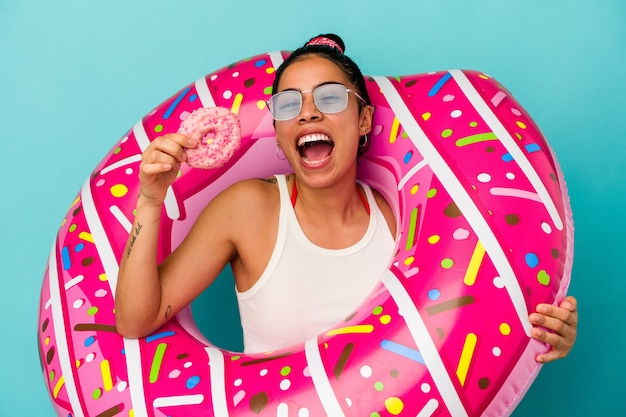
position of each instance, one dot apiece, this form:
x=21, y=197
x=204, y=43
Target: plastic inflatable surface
x=484, y=234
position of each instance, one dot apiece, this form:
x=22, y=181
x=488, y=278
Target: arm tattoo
x=271, y=180
x=168, y=311
x=134, y=238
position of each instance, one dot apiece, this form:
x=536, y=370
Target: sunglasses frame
x=347, y=90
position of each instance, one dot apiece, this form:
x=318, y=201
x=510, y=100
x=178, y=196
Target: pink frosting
x=219, y=133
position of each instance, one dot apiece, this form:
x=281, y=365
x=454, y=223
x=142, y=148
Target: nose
x=309, y=109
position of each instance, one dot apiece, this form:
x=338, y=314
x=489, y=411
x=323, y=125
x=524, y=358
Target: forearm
x=138, y=293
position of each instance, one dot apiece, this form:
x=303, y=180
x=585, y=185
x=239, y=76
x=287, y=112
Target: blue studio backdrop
x=76, y=75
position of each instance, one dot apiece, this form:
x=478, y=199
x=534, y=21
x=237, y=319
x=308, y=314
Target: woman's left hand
x=556, y=326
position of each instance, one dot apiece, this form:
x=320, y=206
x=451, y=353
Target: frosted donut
x=484, y=234
x=219, y=132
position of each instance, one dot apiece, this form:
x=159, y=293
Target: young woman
x=289, y=239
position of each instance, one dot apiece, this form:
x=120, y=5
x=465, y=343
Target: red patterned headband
x=322, y=40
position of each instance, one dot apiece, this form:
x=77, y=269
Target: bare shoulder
x=251, y=193
x=246, y=201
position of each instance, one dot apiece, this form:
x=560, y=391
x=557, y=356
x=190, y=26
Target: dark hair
x=331, y=47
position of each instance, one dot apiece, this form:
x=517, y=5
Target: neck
x=339, y=199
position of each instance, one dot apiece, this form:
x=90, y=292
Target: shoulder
x=258, y=190
x=251, y=197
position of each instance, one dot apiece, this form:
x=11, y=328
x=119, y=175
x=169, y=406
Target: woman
x=286, y=237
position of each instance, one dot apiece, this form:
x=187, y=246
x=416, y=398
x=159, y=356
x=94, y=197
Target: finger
x=183, y=141
x=156, y=168
x=570, y=303
x=555, y=340
x=549, y=356
x=556, y=312
x=171, y=145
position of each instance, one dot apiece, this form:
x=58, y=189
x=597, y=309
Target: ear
x=365, y=120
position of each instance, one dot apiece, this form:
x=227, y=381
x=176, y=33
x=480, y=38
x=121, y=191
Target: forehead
x=310, y=71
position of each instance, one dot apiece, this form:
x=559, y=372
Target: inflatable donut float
x=484, y=235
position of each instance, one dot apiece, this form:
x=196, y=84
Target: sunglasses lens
x=285, y=105
x=331, y=98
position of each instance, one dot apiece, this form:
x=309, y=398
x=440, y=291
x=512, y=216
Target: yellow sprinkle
x=103, y=277
x=86, y=237
x=270, y=70
x=409, y=261
x=414, y=189
x=260, y=104
x=47, y=340
x=474, y=265
x=434, y=239
x=119, y=190
x=105, y=370
x=466, y=357
x=394, y=405
x=394, y=130
x=505, y=329
x=237, y=103
x=521, y=125
x=58, y=386
x=361, y=328
x=426, y=115
x=76, y=200
x=386, y=319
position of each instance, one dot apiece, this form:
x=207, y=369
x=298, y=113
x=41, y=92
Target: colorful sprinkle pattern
x=485, y=233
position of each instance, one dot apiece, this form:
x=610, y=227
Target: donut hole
x=216, y=313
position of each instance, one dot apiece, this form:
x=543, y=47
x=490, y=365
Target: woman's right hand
x=160, y=163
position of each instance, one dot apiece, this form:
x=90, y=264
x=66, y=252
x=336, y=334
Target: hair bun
x=330, y=40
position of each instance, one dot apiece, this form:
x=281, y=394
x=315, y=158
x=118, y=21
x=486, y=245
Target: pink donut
x=219, y=133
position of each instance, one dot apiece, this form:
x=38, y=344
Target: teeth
x=316, y=137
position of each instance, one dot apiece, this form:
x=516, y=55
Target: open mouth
x=315, y=149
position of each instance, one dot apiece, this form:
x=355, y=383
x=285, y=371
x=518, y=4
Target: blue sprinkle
x=193, y=98
x=158, y=336
x=532, y=147
x=434, y=294
x=192, y=382
x=176, y=102
x=260, y=63
x=531, y=260
x=507, y=157
x=408, y=156
x=439, y=85
x=65, y=258
x=402, y=350
x=79, y=247
x=90, y=341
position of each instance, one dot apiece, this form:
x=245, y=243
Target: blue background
x=75, y=75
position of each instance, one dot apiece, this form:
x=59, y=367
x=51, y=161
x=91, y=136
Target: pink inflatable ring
x=484, y=234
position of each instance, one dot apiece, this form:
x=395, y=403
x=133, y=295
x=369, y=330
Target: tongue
x=317, y=151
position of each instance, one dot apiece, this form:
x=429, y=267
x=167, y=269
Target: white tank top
x=306, y=289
